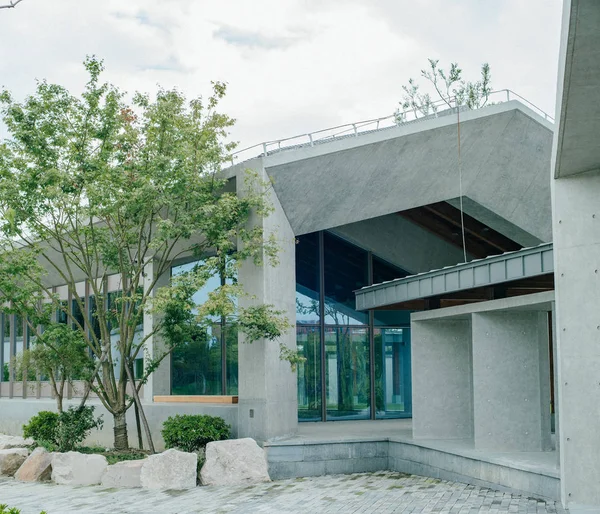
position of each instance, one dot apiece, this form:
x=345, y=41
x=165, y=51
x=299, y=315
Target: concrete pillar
x=268, y=404
x=442, y=379
x=577, y=271
x=159, y=382
x=511, y=381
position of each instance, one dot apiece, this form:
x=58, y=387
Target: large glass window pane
x=346, y=270
x=231, y=339
x=393, y=396
x=308, y=340
x=307, y=279
x=347, y=373
x=197, y=366
x=383, y=272
x=6, y=346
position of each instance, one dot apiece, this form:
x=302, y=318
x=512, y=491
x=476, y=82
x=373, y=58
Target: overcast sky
x=293, y=66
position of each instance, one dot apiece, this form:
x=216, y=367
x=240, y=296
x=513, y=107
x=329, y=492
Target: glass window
x=393, y=396
x=307, y=279
x=77, y=313
x=309, y=373
x=197, y=365
x=346, y=270
x=95, y=328
x=231, y=339
x=347, y=373
x=5, y=346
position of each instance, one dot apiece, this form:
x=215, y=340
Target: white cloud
x=292, y=66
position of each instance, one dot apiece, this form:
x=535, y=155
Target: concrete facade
x=268, y=404
x=576, y=233
x=485, y=374
x=511, y=381
x=442, y=379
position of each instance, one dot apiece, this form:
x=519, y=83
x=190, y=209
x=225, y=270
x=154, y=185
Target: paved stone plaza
x=361, y=493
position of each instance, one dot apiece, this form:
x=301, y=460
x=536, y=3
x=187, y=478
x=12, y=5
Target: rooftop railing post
x=355, y=129
x=508, y=95
x=311, y=140
x=264, y=145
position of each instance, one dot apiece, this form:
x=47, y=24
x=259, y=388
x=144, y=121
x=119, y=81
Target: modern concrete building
x=445, y=317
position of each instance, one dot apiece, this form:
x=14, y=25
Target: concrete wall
x=511, y=381
x=577, y=265
x=401, y=242
x=268, y=404
x=505, y=158
x=482, y=372
x=14, y=413
x=442, y=380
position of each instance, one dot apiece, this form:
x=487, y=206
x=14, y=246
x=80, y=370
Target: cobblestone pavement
x=359, y=493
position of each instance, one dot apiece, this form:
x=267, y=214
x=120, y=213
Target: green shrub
x=191, y=433
x=74, y=425
x=62, y=432
x=42, y=427
x=5, y=509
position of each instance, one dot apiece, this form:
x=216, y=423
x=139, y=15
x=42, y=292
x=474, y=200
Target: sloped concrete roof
x=506, y=152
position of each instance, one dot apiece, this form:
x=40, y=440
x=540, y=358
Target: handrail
x=358, y=127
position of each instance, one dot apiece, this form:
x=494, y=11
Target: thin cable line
x=460, y=197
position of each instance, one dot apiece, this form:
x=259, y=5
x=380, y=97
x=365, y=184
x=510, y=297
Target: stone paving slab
x=382, y=492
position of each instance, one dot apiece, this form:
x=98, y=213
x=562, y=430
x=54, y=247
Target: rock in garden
x=232, y=462
x=13, y=441
x=74, y=468
x=37, y=467
x=124, y=474
x=11, y=460
x=170, y=470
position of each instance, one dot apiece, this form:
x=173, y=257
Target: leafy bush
x=74, y=425
x=42, y=427
x=192, y=433
x=62, y=432
x=5, y=509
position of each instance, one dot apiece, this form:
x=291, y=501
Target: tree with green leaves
x=449, y=86
x=93, y=186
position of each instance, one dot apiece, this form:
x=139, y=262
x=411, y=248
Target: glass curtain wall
x=357, y=363
x=207, y=365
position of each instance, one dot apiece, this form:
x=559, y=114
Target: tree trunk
x=120, y=431
x=136, y=399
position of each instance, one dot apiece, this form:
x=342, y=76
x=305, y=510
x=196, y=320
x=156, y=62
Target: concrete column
x=268, y=403
x=511, y=381
x=442, y=379
x=159, y=382
x=577, y=271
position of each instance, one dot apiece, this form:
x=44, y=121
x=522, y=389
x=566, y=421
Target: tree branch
x=11, y=5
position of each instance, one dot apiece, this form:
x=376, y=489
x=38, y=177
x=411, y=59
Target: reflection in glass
x=307, y=279
x=231, y=353
x=197, y=366
x=393, y=397
x=347, y=373
x=5, y=346
x=346, y=270
x=309, y=373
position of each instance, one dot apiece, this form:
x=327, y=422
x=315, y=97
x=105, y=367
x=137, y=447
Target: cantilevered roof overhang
x=516, y=270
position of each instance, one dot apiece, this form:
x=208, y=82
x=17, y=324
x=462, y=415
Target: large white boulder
x=37, y=467
x=74, y=468
x=13, y=441
x=170, y=470
x=124, y=474
x=11, y=460
x=232, y=462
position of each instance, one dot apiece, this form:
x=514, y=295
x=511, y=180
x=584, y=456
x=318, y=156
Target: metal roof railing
x=366, y=126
